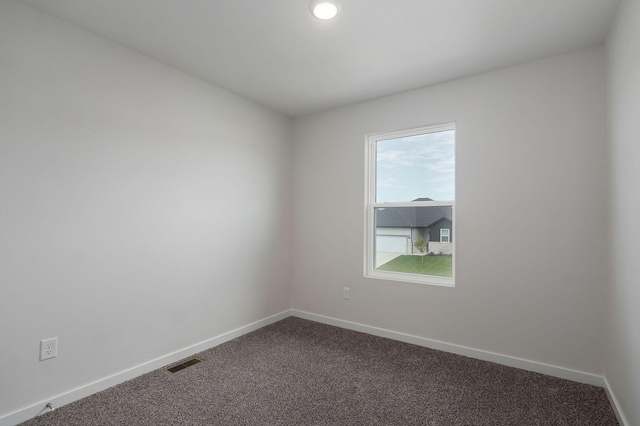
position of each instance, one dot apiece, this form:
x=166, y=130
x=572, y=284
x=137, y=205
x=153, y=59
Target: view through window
x=410, y=205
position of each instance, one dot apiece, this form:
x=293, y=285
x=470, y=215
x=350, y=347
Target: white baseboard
x=537, y=367
x=622, y=420
x=31, y=411
x=72, y=395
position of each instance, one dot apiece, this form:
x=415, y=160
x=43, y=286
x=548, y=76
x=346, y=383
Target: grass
x=412, y=264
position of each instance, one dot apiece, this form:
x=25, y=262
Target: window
x=410, y=205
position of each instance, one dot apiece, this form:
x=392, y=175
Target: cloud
x=416, y=166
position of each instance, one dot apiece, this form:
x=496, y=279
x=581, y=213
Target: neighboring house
x=398, y=228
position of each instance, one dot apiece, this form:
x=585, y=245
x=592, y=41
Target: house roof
x=412, y=217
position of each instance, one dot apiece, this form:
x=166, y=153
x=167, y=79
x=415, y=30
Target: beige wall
x=529, y=147
x=623, y=203
x=142, y=211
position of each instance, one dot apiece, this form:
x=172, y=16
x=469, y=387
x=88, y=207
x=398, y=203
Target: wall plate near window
x=410, y=205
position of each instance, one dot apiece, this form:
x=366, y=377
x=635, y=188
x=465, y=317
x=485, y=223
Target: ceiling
x=276, y=54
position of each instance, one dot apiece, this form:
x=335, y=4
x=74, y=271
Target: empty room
x=288, y=212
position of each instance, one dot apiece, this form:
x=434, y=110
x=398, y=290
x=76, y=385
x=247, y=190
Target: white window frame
x=371, y=204
x=448, y=235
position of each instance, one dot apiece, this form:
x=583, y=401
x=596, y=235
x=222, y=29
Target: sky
x=421, y=166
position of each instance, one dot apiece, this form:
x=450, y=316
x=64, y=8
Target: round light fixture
x=324, y=9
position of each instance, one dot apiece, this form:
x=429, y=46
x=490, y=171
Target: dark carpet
x=298, y=372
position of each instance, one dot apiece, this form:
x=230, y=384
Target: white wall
x=142, y=211
x=530, y=176
x=623, y=200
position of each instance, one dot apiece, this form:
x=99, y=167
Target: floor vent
x=184, y=364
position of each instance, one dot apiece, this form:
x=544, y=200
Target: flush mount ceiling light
x=324, y=9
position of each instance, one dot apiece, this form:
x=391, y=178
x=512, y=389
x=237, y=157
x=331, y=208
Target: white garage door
x=391, y=243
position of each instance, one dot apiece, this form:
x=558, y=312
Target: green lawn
x=433, y=265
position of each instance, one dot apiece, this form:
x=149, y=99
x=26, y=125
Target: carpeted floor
x=297, y=372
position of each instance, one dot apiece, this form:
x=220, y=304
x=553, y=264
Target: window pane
x=416, y=167
x=408, y=239
x=410, y=196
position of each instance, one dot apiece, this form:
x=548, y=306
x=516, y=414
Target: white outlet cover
x=48, y=348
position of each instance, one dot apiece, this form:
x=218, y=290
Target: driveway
x=384, y=257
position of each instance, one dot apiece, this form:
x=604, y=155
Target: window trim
x=448, y=236
x=370, y=205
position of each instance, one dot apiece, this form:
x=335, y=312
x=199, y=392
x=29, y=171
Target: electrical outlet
x=48, y=348
x=345, y=292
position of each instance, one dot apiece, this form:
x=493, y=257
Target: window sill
x=411, y=278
